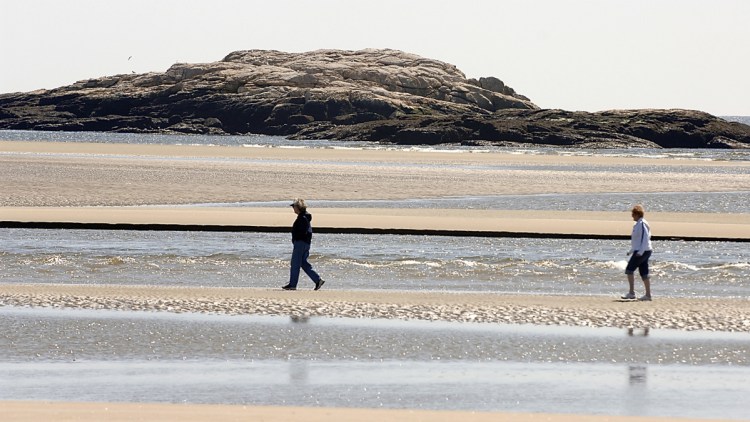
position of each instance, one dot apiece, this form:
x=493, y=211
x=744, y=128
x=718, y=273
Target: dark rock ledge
x=368, y=95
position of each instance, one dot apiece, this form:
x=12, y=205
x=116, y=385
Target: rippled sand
x=589, y=311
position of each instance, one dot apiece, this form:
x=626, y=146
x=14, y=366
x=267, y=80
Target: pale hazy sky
x=572, y=54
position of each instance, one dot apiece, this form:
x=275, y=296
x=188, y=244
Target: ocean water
x=85, y=355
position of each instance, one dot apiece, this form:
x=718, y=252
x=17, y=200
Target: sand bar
x=585, y=311
x=126, y=412
x=388, y=220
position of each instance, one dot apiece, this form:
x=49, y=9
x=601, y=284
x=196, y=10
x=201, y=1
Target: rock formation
x=367, y=95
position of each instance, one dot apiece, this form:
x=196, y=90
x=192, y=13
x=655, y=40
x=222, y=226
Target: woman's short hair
x=299, y=203
x=638, y=211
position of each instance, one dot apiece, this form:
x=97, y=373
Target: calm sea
x=53, y=354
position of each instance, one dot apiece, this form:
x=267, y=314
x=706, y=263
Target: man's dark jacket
x=302, y=229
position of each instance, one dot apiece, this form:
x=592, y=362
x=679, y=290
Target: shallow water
x=501, y=265
x=49, y=354
x=607, y=389
x=689, y=202
x=281, y=142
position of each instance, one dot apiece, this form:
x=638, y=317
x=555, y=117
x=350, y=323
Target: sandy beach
x=151, y=184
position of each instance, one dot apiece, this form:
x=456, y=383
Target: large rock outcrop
x=370, y=95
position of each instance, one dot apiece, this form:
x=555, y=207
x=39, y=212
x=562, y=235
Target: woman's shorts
x=640, y=262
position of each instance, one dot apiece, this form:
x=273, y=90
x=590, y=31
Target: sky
x=587, y=55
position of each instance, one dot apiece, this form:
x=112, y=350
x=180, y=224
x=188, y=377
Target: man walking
x=301, y=239
x=640, y=252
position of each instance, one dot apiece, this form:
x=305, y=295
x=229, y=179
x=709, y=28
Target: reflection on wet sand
x=300, y=319
x=640, y=332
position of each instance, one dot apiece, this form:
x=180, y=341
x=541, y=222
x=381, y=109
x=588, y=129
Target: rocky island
x=375, y=95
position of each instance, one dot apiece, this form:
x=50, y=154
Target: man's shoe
x=645, y=298
x=319, y=284
x=629, y=296
x=289, y=287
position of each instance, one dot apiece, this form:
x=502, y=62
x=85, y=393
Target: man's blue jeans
x=299, y=260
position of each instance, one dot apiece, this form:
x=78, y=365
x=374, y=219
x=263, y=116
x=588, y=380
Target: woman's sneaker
x=629, y=296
